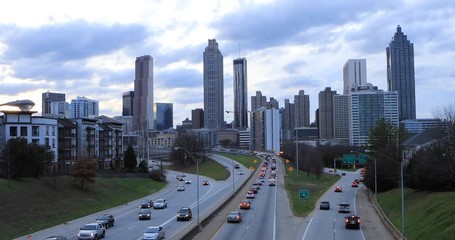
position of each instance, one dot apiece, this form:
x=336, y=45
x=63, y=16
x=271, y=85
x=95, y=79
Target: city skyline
x=81, y=51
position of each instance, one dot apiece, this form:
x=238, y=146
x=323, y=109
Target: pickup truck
x=91, y=231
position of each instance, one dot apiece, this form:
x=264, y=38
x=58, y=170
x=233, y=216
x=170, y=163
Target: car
x=234, y=217
x=106, y=219
x=236, y=166
x=253, y=189
x=343, y=174
x=324, y=205
x=91, y=231
x=272, y=182
x=352, y=221
x=178, y=177
x=153, y=233
x=56, y=238
x=245, y=204
x=145, y=214
x=343, y=207
x=357, y=180
x=338, y=189
x=250, y=194
x=187, y=181
x=205, y=182
x=241, y=173
x=184, y=214
x=354, y=184
x=159, y=204
x=257, y=185
x=181, y=188
x=146, y=204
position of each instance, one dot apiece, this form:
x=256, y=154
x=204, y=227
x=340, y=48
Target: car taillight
x=358, y=220
x=346, y=220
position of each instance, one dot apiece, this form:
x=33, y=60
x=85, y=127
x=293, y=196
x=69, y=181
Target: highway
x=329, y=224
x=257, y=222
x=127, y=224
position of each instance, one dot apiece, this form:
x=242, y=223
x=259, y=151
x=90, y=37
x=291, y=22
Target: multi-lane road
x=330, y=224
x=127, y=224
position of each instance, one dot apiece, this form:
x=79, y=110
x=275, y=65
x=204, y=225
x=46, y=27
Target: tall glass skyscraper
x=143, y=94
x=213, y=87
x=400, y=74
x=240, y=94
x=163, y=116
x=127, y=103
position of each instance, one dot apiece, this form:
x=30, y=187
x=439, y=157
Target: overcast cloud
x=87, y=48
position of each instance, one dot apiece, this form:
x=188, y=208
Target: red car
x=245, y=204
x=338, y=189
x=354, y=184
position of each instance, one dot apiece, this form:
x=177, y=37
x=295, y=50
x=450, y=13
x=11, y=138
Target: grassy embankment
x=208, y=168
x=30, y=205
x=428, y=215
x=248, y=161
x=317, y=187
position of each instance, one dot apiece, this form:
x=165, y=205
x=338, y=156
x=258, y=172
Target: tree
x=143, y=166
x=384, y=145
x=84, y=171
x=130, y=158
x=192, y=145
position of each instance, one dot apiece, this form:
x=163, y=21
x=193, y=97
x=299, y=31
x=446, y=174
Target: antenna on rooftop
x=239, y=50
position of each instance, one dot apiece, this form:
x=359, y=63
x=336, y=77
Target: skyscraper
x=163, y=116
x=197, y=118
x=127, y=103
x=354, y=71
x=143, y=94
x=302, y=109
x=325, y=118
x=82, y=107
x=213, y=87
x=49, y=97
x=240, y=94
x=400, y=74
x=258, y=101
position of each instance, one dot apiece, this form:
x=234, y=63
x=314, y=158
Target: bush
x=157, y=175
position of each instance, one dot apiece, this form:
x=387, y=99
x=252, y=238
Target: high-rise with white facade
x=400, y=73
x=265, y=130
x=354, y=72
x=240, y=94
x=143, y=94
x=82, y=107
x=213, y=86
x=367, y=106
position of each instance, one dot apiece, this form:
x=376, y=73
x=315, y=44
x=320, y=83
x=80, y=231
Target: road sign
x=287, y=161
x=291, y=169
x=349, y=159
x=304, y=193
x=255, y=161
x=251, y=168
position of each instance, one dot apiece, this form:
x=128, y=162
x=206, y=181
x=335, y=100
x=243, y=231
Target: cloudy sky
x=88, y=48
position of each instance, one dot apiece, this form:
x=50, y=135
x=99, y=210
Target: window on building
x=47, y=131
x=23, y=131
x=13, y=131
x=35, y=131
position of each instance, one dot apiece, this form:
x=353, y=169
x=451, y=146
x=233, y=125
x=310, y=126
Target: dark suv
x=106, y=219
x=352, y=221
x=324, y=205
x=184, y=214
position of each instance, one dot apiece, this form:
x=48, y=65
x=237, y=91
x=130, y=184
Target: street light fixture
x=197, y=182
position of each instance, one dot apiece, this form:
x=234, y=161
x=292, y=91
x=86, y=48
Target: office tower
x=325, y=113
x=341, y=119
x=197, y=118
x=127, y=103
x=143, y=94
x=273, y=103
x=82, y=107
x=354, y=71
x=60, y=109
x=257, y=101
x=400, y=74
x=240, y=94
x=302, y=109
x=49, y=97
x=213, y=87
x=163, y=116
x=288, y=115
x=367, y=106
x=265, y=130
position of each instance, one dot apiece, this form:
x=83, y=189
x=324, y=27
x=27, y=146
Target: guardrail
x=395, y=232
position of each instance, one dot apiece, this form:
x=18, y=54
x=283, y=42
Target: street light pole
x=233, y=168
x=375, y=181
x=297, y=151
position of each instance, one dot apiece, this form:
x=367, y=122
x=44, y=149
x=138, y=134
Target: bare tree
x=84, y=171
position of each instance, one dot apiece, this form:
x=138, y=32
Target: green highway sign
x=349, y=159
x=304, y=193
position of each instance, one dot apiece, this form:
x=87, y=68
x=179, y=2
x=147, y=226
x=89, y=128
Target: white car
x=153, y=233
x=160, y=204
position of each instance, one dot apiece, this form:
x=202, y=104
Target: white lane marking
x=306, y=230
x=355, y=207
x=274, y=215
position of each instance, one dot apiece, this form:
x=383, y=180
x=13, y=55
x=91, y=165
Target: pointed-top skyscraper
x=400, y=74
x=213, y=87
